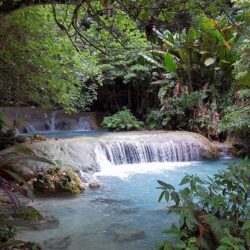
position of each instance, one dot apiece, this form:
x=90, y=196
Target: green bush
x=213, y=213
x=7, y=233
x=122, y=120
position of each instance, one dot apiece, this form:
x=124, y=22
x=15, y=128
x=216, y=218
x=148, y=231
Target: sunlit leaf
x=209, y=61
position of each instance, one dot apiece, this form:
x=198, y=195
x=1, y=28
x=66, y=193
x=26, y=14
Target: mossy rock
x=58, y=181
x=28, y=214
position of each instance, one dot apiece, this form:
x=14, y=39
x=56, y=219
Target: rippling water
x=123, y=214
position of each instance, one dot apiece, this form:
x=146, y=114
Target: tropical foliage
x=213, y=213
x=122, y=120
x=196, y=53
x=236, y=118
x=48, y=73
x=199, y=81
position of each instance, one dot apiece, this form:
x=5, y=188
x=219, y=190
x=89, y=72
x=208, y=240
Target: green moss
x=29, y=214
x=71, y=183
x=58, y=181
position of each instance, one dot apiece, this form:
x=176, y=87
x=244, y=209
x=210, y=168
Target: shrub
x=213, y=213
x=122, y=120
x=7, y=233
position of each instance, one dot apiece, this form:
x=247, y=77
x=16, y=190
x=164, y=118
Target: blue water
x=68, y=133
x=95, y=219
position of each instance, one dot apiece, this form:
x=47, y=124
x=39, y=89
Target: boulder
x=57, y=181
x=94, y=185
x=57, y=243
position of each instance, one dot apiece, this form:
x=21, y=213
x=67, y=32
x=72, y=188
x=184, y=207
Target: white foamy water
x=124, y=171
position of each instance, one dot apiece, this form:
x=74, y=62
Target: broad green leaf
x=180, y=244
x=185, y=180
x=166, y=185
x=161, y=196
x=175, y=196
x=169, y=63
x=166, y=196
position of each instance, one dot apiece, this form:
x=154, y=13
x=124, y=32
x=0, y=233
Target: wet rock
x=57, y=181
x=57, y=243
x=107, y=201
x=94, y=185
x=124, y=211
x=123, y=233
x=48, y=222
x=28, y=214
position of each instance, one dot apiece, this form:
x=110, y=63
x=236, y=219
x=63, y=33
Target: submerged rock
x=57, y=243
x=94, y=185
x=109, y=201
x=123, y=233
x=126, y=210
x=26, y=216
x=56, y=181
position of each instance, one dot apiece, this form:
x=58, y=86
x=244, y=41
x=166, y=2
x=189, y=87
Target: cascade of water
x=224, y=153
x=129, y=152
x=53, y=120
x=30, y=127
x=57, y=122
x=83, y=123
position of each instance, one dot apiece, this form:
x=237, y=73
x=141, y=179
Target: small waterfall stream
x=83, y=123
x=54, y=121
x=130, y=152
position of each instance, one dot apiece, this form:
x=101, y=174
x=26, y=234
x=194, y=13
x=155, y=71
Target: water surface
x=126, y=203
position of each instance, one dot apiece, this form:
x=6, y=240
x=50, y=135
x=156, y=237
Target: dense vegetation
x=214, y=213
x=175, y=64
x=103, y=55
x=122, y=120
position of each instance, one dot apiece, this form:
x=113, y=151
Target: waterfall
x=224, y=153
x=36, y=125
x=124, y=152
x=83, y=123
x=56, y=121
x=129, y=152
x=53, y=120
